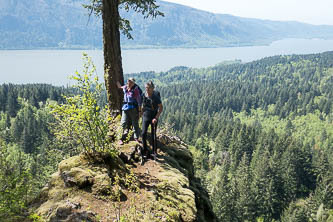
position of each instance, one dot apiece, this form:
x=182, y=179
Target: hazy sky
x=318, y=12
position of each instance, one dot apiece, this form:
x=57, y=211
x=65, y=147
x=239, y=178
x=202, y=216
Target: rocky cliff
x=108, y=187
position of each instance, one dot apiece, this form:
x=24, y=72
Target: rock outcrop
x=118, y=188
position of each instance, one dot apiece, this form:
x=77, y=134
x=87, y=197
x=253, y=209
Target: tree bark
x=113, y=70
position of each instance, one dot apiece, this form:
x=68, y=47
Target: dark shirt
x=150, y=105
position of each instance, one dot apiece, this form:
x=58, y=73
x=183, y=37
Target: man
x=152, y=108
x=130, y=109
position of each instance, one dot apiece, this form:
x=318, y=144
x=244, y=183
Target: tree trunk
x=113, y=70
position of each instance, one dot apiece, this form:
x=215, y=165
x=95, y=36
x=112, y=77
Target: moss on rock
x=102, y=185
x=105, y=188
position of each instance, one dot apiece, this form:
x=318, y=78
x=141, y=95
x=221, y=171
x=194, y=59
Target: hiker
x=152, y=108
x=130, y=109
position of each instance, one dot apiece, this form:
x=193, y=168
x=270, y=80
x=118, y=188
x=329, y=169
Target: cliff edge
x=108, y=187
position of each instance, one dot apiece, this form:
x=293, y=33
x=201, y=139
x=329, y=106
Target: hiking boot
x=146, y=156
x=120, y=142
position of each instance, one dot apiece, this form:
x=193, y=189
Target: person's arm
x=118, y=85
x=160, y=109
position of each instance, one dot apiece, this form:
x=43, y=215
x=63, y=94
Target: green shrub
x=81, y=122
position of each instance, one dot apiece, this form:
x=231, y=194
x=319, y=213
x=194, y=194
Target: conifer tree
x=113, y=23
x=222, y=195
x=245, y=205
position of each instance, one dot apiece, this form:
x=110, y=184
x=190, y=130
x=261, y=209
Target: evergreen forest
x=261, y=136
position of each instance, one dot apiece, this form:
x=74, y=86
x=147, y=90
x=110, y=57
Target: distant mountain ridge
x=66, y=24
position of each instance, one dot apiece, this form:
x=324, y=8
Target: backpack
x=140, y=90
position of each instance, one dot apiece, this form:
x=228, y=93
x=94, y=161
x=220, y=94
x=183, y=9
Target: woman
x=130, y=110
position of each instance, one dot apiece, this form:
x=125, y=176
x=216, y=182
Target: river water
x=54, y=66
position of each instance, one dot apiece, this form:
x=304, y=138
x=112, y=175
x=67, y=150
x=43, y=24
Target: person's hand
x=154, y=121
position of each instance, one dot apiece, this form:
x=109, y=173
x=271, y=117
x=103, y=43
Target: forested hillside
x=28, y=154
x=263, y=133
x=65, y=24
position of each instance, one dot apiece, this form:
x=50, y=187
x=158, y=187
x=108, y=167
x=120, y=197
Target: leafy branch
x=81, y=122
